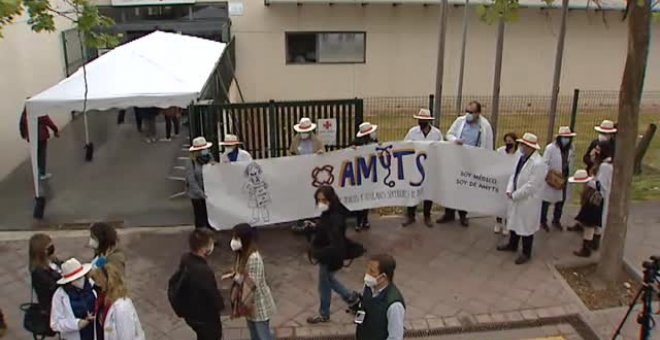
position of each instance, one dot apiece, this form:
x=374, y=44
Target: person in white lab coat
x=424, y=131
x=474, y=130
x=523, y=190
x=74, y=303
x=559, y=156
x=595, y=197
x=117, y=314
x=510, y=149
x=233, y=151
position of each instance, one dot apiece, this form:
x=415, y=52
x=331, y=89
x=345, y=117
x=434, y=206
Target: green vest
x=374, y=326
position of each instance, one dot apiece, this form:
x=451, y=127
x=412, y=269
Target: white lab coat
x=243, y=156
x=604, y=176
x=525, y=209
x=62, y=319
x=516, y=155
x=415, y=134
x=486, y=138
x=552, y=158
x=122, y=322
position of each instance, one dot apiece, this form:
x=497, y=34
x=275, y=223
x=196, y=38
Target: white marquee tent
x=157, y=70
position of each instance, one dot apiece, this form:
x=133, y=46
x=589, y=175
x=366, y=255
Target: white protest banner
x=279, y=190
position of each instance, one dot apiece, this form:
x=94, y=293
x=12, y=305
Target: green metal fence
x=266, y=128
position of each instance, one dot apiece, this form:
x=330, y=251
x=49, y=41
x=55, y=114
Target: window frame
x=316, y=34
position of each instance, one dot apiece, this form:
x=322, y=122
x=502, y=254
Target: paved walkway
x=450, y=277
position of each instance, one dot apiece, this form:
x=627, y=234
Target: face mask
x=469, y=117
x=50, y=250
x=509, y=146
x=304, y=135
x=603, y=138
x=93, y=243
x=231, y=148
x=564, y=141
x=235, y=244
x=370, y=281
x=323, y=207
x=423, y=125
x=79, y=283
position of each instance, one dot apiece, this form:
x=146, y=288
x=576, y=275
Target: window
x=325, y=48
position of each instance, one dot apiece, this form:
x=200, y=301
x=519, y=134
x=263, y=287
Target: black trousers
x=42, y=149
x=362, y=217
x=206, y=330
x=556, y=214
x=169, y=121
x=138, y=119
x=527, y=241
x=201, y=215
x=452, y=213
x=427, y=209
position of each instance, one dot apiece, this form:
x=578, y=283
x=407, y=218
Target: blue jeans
x=259, y=330
x=328, y=283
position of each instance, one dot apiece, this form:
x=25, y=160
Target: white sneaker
x=498, y=228
x=505, y=231
x=46, y=176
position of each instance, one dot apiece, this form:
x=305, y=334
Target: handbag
x=555, y=180
x=241, y=296
x=596, y=197
x=35, y=320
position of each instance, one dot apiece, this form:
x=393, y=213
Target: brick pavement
x=450, y=277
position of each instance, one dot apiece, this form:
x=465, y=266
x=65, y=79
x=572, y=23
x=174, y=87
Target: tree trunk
x=440, y=68
x=497, y=79
x=632, y=84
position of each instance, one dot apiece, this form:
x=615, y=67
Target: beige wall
x=401, y=52
x=29, y=63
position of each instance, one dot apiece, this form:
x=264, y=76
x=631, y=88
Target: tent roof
x=160, y=69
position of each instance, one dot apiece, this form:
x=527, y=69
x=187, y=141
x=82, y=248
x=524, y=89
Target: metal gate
x=266, y=128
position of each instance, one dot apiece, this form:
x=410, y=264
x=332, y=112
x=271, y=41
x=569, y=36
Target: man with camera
x=382, y=310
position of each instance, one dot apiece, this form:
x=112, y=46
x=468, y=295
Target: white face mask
x=322, y=207
x=370, y=281
x=231, y=148
x=603, y=138
x=79, y=283
x=235, y=244
x=469, y=117
x=93, y=243
x=304, y=135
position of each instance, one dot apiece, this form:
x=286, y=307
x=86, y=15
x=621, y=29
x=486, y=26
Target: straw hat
x=606, y=126
x=72, y=270
x=366, y=128
x=231, y=140
x=581, y=176
x=424, y=114
x=305, y=125
x=565, y=131
x=200, y=143
x=530, y=140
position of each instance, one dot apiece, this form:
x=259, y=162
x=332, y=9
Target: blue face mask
x=564, y=141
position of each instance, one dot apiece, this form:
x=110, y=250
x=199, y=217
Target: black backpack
x=175, y=290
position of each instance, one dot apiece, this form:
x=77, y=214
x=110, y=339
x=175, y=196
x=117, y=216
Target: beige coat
x=295, y=144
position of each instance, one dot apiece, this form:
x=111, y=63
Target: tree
x=82, y=13
x=632, y=85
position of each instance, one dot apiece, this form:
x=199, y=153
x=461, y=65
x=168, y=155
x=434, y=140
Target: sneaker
x=313, y=320
x=497, y=228
x=505, y=231
x=148, y=140
x=366, y=225
x=409, y=221
x=45, y=176
x=358, y=228
x=522, y=259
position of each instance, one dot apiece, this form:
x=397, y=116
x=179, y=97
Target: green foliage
x=42, y=14
x=506, y=9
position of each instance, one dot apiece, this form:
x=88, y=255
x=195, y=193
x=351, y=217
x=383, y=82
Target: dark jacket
x=44, y=283
x=203, y=299
x=375, y=325
x=329, y=245
x=364, y=140
x=45, y=123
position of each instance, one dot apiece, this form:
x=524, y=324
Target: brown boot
x=585, y=251
x=595, y=243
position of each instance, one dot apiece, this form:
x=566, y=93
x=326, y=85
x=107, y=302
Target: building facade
x=29, y=63
x=314, y=50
